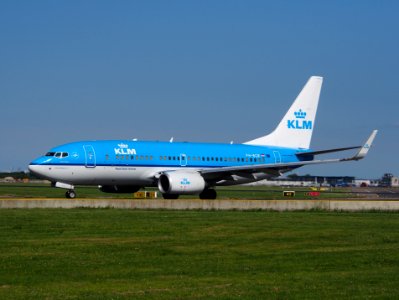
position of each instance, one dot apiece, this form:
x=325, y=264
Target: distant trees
x=18, y=175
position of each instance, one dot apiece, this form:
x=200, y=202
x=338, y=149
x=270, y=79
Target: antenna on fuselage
x=134, y=140
x=171, y=140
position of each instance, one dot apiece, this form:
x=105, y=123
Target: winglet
x=366, y=147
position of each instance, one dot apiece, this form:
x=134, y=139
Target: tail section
x=296, y=128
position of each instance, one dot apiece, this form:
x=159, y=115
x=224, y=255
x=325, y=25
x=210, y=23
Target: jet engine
x=119, y=189
x=179, y=182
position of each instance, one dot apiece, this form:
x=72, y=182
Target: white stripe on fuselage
x=121, y=175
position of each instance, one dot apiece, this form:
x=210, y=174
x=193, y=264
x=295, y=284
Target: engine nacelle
x=119, y=189
x=180, y=182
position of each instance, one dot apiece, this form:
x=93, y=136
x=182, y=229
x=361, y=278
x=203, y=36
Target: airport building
x=309, y=180
x=388, y=180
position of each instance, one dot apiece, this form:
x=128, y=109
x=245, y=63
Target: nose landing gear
x=70, y=194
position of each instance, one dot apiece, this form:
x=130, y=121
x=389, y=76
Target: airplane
x=184, y=168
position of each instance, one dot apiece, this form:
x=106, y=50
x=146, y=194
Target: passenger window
x=117, y=157
x=106, y=156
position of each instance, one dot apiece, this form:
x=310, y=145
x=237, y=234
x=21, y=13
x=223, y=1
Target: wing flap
x=277, y=169
x=326, y=151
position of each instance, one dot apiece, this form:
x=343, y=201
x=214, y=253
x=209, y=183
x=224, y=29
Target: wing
x=279, y=168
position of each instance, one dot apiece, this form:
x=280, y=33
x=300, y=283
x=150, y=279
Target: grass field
x=120, y=254
x=25, y=190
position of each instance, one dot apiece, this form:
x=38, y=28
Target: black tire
x=70, y=194
x=170, y=196
x=209, y=194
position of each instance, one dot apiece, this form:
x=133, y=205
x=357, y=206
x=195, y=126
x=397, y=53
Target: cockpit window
x=58, y=154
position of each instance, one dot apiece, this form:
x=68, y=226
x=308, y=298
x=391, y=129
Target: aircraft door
x=277, y=157
x=90, y=156
x=183, y=160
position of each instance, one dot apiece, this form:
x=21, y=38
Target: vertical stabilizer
x=296, y=128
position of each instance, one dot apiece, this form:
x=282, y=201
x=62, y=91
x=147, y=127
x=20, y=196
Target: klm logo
x=185, y=181
x=124, y=150
x=299, y=122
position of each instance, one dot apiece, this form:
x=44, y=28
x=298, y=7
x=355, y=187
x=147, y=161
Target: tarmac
x=198, y=204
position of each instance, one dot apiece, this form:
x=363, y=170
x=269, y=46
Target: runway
x=197, y=204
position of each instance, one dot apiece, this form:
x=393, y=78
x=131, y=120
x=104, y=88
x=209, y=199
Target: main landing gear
x=170, y=196
x=208, y=194
x=70, y=194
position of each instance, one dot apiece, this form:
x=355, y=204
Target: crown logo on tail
x=300, y=114
x=299, y=122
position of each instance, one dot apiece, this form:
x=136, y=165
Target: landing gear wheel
x=170, y=196
x=208, y=194
x=70, y=194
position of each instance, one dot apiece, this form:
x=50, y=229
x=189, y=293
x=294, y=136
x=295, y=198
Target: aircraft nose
x=37, y=167
x=34, y=168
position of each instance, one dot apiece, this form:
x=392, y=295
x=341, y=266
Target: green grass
x=120, y=254
x=28, y=190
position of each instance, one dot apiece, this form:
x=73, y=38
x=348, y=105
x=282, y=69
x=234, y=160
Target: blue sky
x=198, y=71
